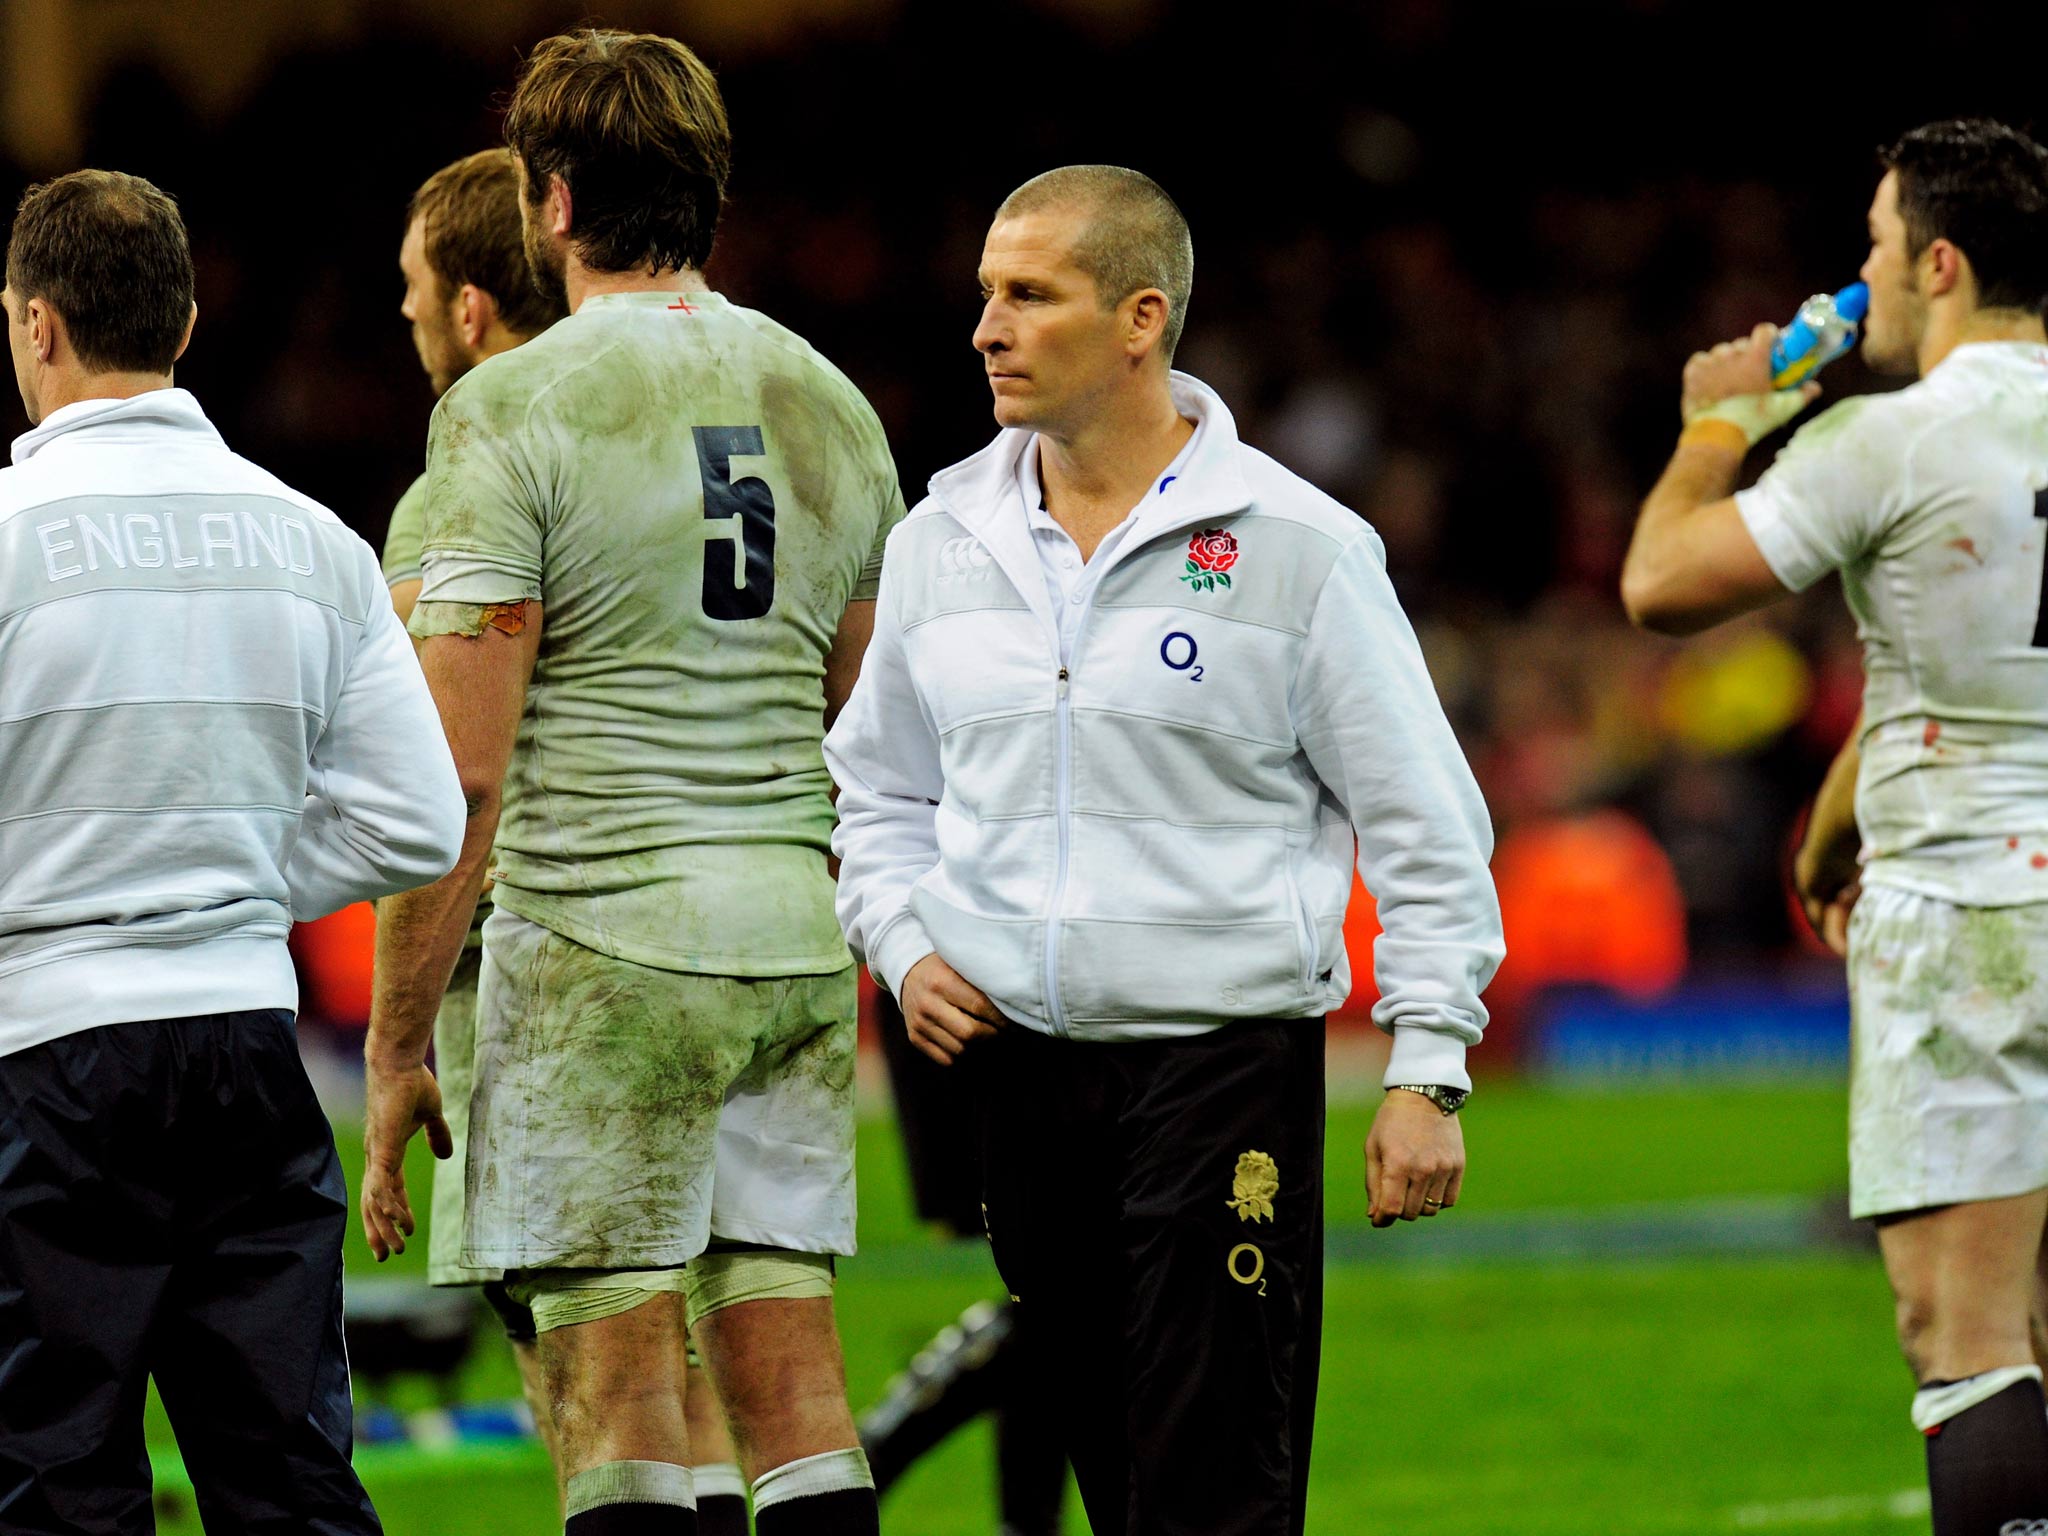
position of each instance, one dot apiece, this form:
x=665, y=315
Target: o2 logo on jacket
x=1178, y=650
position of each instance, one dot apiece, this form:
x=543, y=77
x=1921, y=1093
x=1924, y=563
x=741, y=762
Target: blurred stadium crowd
x=1449, y=284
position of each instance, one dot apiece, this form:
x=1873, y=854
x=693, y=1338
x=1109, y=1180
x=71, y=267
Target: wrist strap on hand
x=1712, y=432
x=1742, y=421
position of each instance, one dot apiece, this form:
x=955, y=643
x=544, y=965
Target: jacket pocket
x=1304, y=924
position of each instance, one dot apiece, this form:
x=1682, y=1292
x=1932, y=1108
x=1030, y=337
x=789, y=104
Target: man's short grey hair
x=1135, y=236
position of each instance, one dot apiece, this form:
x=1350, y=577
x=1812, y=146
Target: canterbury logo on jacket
x=1149, y=831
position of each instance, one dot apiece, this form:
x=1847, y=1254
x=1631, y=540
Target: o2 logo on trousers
x=1178, y=651
x=2024, y=1528
x=1247, y=1266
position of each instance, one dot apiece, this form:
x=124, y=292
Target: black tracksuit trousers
x=171, y=1204
x=1177, y=1274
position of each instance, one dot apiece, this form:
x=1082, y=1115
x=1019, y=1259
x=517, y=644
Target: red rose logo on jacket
x=1211, y=553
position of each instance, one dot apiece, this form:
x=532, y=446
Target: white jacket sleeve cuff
x=901, y=945
x=1424, y=1057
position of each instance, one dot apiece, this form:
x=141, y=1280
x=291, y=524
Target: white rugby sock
x=629, y=1482
x=719, y=1480
x=828, y=1472
x=832, y=1494
x=721, y=1499
x=1933, y=1406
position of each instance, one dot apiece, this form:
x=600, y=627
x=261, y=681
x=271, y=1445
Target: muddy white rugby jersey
x=1933, y=504
x=694, y=495
x=211, y=723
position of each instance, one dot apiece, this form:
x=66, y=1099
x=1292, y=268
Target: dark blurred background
x=1450, y=258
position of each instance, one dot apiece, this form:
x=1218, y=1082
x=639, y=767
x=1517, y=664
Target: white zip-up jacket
x=211, y=723
x=1150, y=831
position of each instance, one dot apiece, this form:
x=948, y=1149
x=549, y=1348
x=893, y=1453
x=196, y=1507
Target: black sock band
x=721, y=1514
x=635, y=1520
x=842, y=1512
x=1988, y=1465
x=830, y=1494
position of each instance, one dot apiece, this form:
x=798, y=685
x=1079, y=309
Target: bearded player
x=1927, y=858
x=652, y=540
x=469, y=295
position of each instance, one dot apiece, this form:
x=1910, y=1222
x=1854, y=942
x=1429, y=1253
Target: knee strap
x=561, y=1298
x=726, y=1277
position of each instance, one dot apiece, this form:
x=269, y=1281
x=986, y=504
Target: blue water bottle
x=1823, y=330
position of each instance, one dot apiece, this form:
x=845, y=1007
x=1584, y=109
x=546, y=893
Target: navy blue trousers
x=171, y=1205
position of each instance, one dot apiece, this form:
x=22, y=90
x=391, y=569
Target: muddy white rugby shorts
x=1948, y=1082
x=622, y=1117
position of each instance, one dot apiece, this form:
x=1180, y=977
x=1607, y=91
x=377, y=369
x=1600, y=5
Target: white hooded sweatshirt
x=1146, y=827
x=211, y=723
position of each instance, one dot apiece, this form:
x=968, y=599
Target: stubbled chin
x=1882, y=356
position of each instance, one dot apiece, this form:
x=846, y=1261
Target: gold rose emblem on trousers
x=1252, y=1189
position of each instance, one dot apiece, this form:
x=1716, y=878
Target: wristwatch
x=1449, y=1100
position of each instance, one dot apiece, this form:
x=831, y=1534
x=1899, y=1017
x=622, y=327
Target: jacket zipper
x=1063, y=790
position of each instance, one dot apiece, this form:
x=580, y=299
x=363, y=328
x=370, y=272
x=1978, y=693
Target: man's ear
x=559, y=208
x=185, y=340
x=1943, y=266
x=475, y=313
x=1145, y=316
x=45, y=331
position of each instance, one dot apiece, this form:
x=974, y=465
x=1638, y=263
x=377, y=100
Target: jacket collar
x=140, y=418
x=984, y=488
x=983, y=492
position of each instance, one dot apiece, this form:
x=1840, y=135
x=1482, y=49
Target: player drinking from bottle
x=1932, y=503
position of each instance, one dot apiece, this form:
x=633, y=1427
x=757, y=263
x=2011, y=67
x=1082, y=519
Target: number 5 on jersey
x=2041, y=602
x=748, y=506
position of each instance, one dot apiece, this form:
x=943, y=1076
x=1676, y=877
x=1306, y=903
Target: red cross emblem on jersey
x=683, y=304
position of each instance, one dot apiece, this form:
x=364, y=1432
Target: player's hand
x=1828, y=888
x=1827, y=906
x=944, y=1011
x=1831, y=919
x=1414, y=1159
x=396, y=1103
x=1733, y=382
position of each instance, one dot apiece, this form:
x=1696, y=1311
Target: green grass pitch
x=1475, y=1378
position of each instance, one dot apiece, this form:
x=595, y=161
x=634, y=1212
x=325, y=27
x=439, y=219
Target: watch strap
x=1449, y=1100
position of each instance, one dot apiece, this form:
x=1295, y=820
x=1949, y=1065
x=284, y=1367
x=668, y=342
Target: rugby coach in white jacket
x=1134, y=696
x=210, y=723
